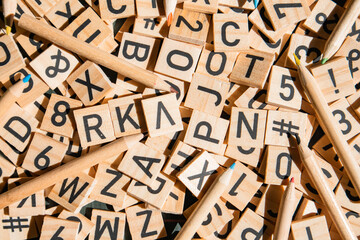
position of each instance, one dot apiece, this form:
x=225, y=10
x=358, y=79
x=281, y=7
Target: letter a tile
x=142, y=163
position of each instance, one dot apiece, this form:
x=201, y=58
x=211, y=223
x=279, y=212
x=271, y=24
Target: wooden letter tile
x=252, y=68
x=111, y=9
x=44, y=154
x=108, y=225
x=174, y=204
x=346, y=195
x=30, y=206
x=177, y=59
x=247, y=127
x=110, y=186
x=127, y=116
x=64, y=12
x=247, y=155
x=156, y=194
x=53, y=228
x=139, y=50
x=285, y=12
x=16, y=127
x=202, y=6
x=72, y=192
x=230, y=32
x=142, y=163
x=284, y=88
x=145, y=223
x=32, y=44
x=323, y=18
x=41, y=6
x=94, y=125
x=17, y=227
x=58, y=117
x=307, y=49
x=207, y=94
x=148, y=8
x=251, y=224
x=10, y=57
x=89, y=83
x=279, y=124
x=89, y=27
x=54, y=65
x=206, y=131
x=282, y=163
x=268, y=206
x=216, y=64
x=166, y=118
x=181, y=155
x=189, y=26
x=350, y=50
x=345, y=115
x=242, y=187
x=218, y=216
x=85, y=225
x=331, y=174
x=199, y=174
x=334, y=79
x=310, y=228
x=151, y=27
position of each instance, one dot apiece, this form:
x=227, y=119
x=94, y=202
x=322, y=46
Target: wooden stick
x=12, y=94
x=329, y=125
x=326, y=194
x=170, y=6
x=286, y=212
x=341, y=30
x=9, y=7
x=205, y=205
x=92, y=53
x=71, y=168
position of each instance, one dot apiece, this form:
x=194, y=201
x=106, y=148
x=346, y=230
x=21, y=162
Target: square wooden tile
x=230, y=32
x=64, y=12
x=94, y=125
x=85, y=225
x=145, y=223
x=285, y=12
x=108, y=225
x=199, y=174
x=207, y=94
x=252, y=68
x=247, y=127
x=202, y=6
x=177, y=59
x=243, y=186
x=313, y=227
x=142, y=163
x=156, y=194
x=72, y=192
x=115, y=9
x=89, y=83
x=16, y=127
x=166, y=118
x=216, y=64
x=10, y=57
x=54, y=65
x=206, y=131
x=334, y=79
x=58, y=228
x=44, y=154
x=189, y=26
x=284, y=89
x=280, y=123
x=58, y=117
